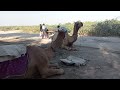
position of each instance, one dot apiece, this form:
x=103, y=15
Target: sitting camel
x=69, y=40
x=36, y=59
x=39, y=58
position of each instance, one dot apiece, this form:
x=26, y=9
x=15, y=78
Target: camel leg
x=54, y=66
x=66, y=47
x=50, y=72
x=74, y=49
x=31, y=70
x=69, y=48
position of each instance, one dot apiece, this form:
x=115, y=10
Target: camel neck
x=75, y=31
x=58, y=42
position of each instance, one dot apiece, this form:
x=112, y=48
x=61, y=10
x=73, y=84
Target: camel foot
x=72, y=49
x=55, y=66
x=51, y=72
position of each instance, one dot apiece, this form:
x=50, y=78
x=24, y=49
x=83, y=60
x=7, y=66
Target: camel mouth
x=78, y=25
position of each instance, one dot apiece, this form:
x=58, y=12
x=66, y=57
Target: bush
x=106, y=28
x=103, y=28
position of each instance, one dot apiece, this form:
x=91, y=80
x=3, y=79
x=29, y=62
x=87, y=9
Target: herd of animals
x=39, y=61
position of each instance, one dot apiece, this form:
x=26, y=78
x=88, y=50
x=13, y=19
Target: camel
x=39, y=59
x=36, y=59
x=69, y=40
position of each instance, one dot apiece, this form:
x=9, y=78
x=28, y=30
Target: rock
x=72, y=60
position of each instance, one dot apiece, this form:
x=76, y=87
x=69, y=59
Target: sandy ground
x=18, y=37
x=102, y=55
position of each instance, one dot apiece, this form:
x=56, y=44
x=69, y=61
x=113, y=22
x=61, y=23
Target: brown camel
x=36, y=60
x=69, y=40
x=39, y=59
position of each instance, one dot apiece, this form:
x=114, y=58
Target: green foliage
x=69, y=26
x=30, y=29
x=103, y=28
x=87, y=27
x=106, y=28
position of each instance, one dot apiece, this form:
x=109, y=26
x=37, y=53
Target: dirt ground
x=101, y=63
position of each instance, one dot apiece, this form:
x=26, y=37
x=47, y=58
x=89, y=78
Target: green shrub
x=106, y=28
x=103, y=28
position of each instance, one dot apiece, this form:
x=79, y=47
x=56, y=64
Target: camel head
x=78, y=25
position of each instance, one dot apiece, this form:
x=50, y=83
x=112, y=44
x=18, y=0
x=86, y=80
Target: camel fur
x=69, y=40
x=39, y=59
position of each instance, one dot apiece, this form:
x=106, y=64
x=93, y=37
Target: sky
x=20, y=18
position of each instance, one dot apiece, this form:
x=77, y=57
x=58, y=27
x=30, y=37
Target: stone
x=72, y=60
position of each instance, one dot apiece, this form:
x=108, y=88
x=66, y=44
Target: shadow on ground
x=20, y=35
x=102, y=63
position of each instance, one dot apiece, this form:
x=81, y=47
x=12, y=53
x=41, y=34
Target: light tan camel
x=39, y=59
x=69, y=40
